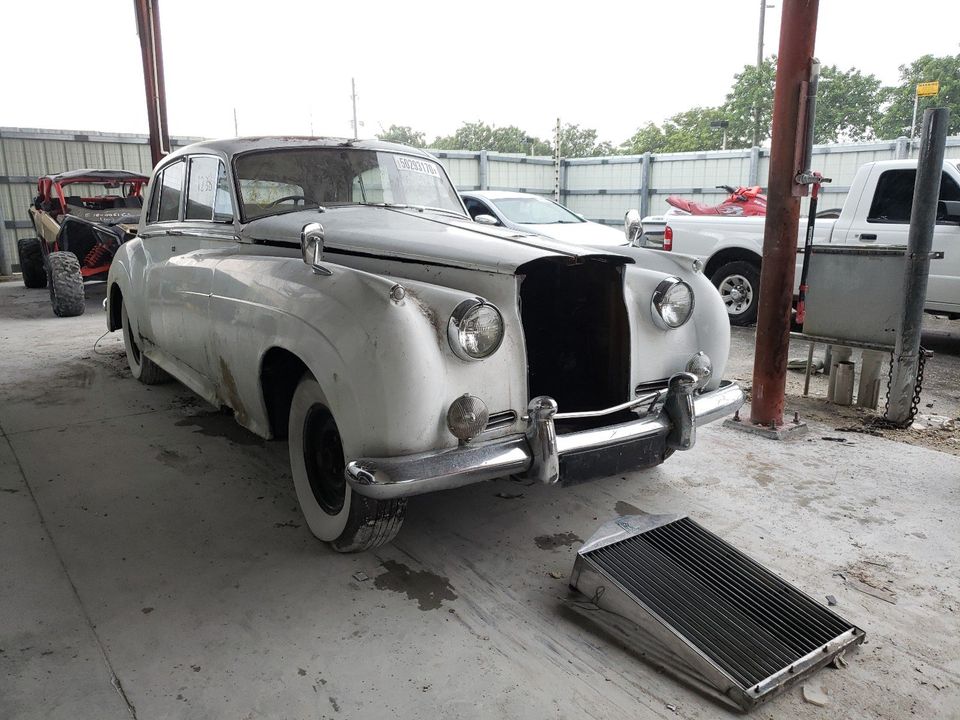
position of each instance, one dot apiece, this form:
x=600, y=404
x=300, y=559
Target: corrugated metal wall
x=601, y=189
x=26, y=154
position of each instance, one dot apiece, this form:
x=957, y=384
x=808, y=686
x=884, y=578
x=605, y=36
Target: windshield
x=279, y=181
x=534, y=211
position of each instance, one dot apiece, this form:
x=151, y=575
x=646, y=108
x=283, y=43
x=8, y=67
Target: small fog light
x=701, y=366
x=467, y=417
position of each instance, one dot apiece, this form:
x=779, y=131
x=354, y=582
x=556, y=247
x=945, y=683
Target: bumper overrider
x=541, y=454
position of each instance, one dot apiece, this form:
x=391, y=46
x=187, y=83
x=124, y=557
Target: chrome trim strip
x=643, y=399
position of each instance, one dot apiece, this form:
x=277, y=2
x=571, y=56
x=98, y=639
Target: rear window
x=893, y=199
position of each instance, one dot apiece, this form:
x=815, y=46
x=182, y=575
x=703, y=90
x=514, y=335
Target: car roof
x=97, y=175
x=500, y=194
x=235, y=146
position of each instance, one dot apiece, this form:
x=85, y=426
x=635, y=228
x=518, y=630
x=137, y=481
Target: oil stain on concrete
x=550, y=542
x=624, y=508
x=218, y=424
x=427, y=588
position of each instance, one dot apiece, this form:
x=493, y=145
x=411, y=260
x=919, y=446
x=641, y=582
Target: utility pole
x=236, y=132
x=151, y=51
x=756, y=107
x=798, y=31
x=353, y=97
x=556, y=162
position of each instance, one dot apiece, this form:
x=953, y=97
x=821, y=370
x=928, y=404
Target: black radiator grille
x=744, y=618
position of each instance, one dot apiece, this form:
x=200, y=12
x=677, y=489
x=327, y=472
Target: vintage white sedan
x=336, y=293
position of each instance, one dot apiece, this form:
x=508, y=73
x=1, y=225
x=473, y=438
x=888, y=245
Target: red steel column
x=798, y=29
x=151, y=50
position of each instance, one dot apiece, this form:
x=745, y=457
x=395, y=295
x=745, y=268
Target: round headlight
x=672, y=303
x=475, y=330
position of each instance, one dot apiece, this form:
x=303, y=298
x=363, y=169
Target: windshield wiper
x=418, y=208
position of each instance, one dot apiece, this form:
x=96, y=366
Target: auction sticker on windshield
x=418, y=166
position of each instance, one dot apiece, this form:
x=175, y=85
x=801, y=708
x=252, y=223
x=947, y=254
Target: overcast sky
x=286, y=66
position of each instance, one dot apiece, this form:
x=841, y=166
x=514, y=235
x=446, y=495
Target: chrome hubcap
x=737, y=294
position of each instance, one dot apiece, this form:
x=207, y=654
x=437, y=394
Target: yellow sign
x=925, y=89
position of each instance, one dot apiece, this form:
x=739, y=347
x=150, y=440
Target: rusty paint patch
x=228, y=388
x=427, y=588
x=429, y=313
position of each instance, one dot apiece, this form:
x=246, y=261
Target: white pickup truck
x=876, y=212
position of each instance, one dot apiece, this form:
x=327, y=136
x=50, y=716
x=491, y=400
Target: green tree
x=899, y=113
x=690, y=130
x=578, y=142
x=848, y=105
x=480, y=136
x=749, y=105
x=649, y=138
x=403, y=134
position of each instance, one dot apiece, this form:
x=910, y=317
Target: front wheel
x=334, y=513
x=66, y=284
x=739, y=286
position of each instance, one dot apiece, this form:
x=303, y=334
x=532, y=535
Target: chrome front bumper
x=538, y=453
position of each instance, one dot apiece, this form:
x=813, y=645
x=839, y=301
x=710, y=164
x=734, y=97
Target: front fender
x=384, y=366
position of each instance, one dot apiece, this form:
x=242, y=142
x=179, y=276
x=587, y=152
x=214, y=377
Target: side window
x=208, y=197
x=171, y=188
x=893, y=198
x=222, y=205
x=201, y=188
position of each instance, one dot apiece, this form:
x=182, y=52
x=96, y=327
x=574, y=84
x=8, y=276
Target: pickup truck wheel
x=66, y=284
x=30, y=255
x=141, y=367
x=334, y=513
x=739, y=286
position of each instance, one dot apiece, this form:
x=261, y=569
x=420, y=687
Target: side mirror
x=485, y=219
x=948, y=210
x=311, y=247
x=632, y=226
x=582, y=217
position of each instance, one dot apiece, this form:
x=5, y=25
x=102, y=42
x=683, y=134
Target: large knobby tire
x=30, y=254
x=334, y=513
x=739, y=286
x=66, y=284
x=141, y=367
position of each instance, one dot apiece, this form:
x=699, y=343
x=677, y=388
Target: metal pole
x=756, y=108
x=645, y=185
x=353, y=97
x=236, y=131
x=923, y=218
x=5, y=263
x=913, y=123
x=556, y=162
x=798, y=30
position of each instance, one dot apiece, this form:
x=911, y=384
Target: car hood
x=586, y=233
x=414, y=236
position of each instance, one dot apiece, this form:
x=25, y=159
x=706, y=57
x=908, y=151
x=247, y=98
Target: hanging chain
x=917, y=389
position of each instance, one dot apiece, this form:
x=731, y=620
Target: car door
x=204, y=236
x=888, y=223
x=158, y=239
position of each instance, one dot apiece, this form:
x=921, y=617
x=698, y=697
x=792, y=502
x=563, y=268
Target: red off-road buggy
x=81, y=217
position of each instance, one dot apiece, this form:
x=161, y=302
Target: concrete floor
x=155, y=565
